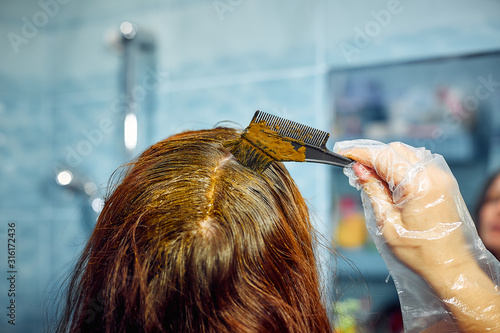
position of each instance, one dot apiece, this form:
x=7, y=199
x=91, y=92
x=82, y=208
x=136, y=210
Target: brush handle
x=323, y=155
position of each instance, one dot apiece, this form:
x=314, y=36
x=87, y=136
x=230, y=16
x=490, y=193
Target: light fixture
x=97, y=205
x=130, y=131
x=90, y=188
x=64, y=177
x=128, y=30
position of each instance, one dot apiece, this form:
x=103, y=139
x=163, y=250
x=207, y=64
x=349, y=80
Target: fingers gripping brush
x=270, y=138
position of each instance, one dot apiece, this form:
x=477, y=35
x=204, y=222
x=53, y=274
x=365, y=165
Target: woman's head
x=192, y=241
x=488, y=214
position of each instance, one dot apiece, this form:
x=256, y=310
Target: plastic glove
x=446, y=280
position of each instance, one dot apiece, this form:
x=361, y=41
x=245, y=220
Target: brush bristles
x=292, y=129
x=279, y=131
x=249, y=155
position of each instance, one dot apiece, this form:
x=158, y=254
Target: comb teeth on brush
x=270, y=138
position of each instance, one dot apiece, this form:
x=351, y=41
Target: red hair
x=192, y=241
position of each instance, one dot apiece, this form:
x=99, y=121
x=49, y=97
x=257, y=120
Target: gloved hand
x=422, y=229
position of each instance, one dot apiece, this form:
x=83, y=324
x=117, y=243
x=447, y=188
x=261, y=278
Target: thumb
x=379, y=196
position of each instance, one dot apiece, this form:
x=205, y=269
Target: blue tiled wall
x=218, y=63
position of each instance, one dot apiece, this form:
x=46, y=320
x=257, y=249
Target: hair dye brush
x=270, y=138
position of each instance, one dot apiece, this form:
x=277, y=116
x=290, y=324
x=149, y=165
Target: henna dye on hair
x=193, y=241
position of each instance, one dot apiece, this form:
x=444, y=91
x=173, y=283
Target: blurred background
x=87, y=85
